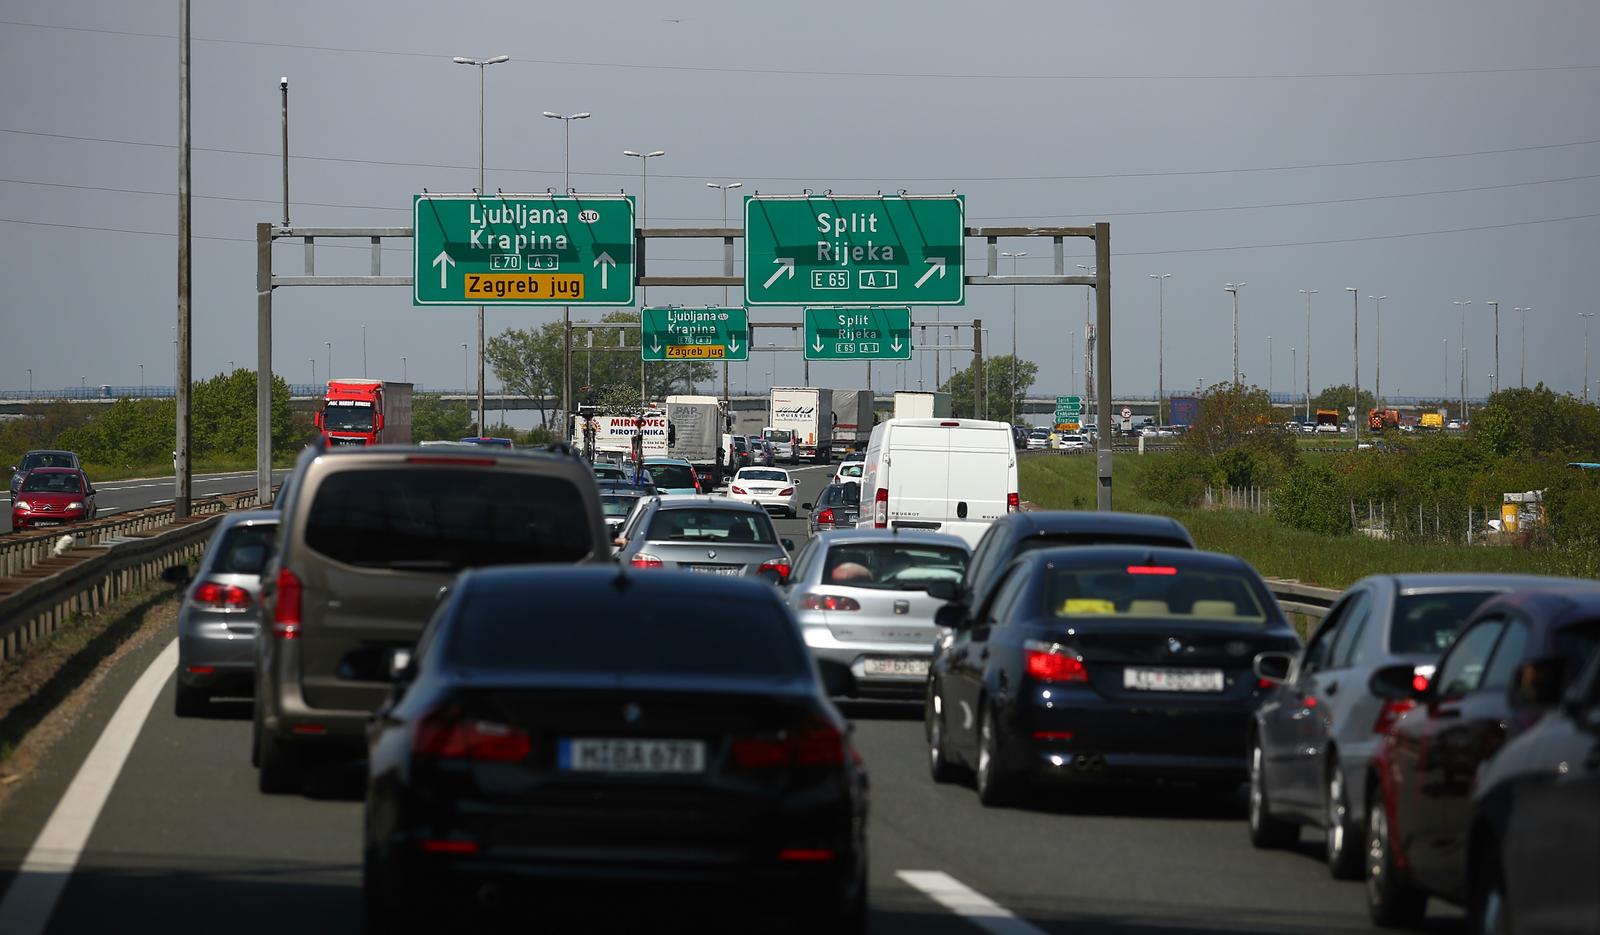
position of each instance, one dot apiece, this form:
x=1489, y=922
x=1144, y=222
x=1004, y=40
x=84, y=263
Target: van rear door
x=982, y=468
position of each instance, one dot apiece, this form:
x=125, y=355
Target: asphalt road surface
x=184, y=843
x=120, y=496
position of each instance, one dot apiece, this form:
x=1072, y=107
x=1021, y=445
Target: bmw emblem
x=711, y=553
x=1174, y=645
x=631, y=712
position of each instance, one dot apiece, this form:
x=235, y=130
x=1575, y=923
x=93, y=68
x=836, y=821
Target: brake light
x=815, y=743
x=880, y=508
x=808, y=854
x=1047, y=662
x=829, y=602
x=448, y=736
x=786, y=491
x=1392, y=710
x=949, y=425
x=449, y=846
x=644, y=560
x=1013, y=503
x=212, y=595
x=778, y=565
x=825, y=516
x=286, y=616
x=1152, y=570
x=736, y=488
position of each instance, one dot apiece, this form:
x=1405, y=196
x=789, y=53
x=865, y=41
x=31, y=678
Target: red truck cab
x=365, y=412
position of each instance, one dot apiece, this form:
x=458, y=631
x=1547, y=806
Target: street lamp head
x=1351, y=289
x=497, y=60
x=629, y=152
x=463, y=60
x=580, y=116
x=1013, y=255
x=554, y=114
x=659, y=152
x=735, y=184
x=1376, y=298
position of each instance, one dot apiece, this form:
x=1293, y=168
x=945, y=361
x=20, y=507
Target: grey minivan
x=369, y=540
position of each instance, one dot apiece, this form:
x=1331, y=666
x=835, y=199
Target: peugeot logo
x=631, y=712
x=1174, y=645
x=711, y=553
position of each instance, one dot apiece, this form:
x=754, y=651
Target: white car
x=770, y=488
x=1068, y=441
x=848, y=471
x=1038, y=439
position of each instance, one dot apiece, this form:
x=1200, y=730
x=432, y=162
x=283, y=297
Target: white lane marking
x=35, y=889
x=967, y=902
x=159, y=502
x=169, y=478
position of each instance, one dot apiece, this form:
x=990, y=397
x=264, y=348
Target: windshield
x=612, y=505
x=671, y=475
x=45, y=460
x=894, y=566
x=739, y=527
x=444, y=518
x=1428, y=623
x=852, y=469
x=244, y=550
x=347, y=418
x=773, y=435
x=51, y=483
x=611, y=471
x=1040, y=433
x=1153, y=591
x=778, y=476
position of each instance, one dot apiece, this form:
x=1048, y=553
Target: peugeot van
x=953, y=476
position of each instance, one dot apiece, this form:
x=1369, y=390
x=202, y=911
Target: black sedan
x=562, y=732
x=1103, y=662
x=837, y=507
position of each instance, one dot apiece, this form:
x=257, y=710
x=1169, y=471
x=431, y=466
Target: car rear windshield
x=835, y=494
x=1428, y=623
x=1159, y=591
x=1055, y=540
x=615, y=505
x=850, y=469
x=447, y=518
x=51, y=483
x=712, y=525
x=46, y=460
x=245, y=549
x=894, y=566
x=763, y=475
x=696, y=635
x=670, y=475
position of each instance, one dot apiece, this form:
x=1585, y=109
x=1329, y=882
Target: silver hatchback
x=710, y=535
x=221, y=611
x=862, y=602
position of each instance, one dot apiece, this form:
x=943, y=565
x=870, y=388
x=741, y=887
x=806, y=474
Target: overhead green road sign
x=1069, y=408
x=854, y=250
x=695, y=334
x=522, y=250
x=858, y=333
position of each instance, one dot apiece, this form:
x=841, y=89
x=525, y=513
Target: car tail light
x=696, y=478
x=1391, y=712
x=829, y=602
x=286, y=616
x=644, y=560
x=1152, y=570
x=815, y=743
x=787, y=491
x=1013, y=503
x=1052, y=735
x=805, y=854
x=777, y=565
x=212, y=595
x=1047, y=662
x=736, y=488
x=949, y=425
x=880, y=508
x=446, y=735
x=449, y=846
x=825, y=516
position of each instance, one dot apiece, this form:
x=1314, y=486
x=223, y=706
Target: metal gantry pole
x=1161, y=344
x=1012, y=408
x=1355, y=297
x=1377, y=379
x=1308, y=293
x=1234, y=287
x=1522, y=346
x=264, y=364
x=1462, y=304
x=481, y=345
x=1494, y=385
x=1102, y=289
x=180, y=502
x=1586, y=316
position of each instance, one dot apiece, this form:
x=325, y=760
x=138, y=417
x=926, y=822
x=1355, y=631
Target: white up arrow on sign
x=605, y=262
x=444, y=263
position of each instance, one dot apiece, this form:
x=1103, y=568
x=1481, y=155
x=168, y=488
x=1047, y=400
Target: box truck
x=915, y=404
x=365, y=412
x=694, y=433
x=613, y=436
x=807, y=412
x=852, y=419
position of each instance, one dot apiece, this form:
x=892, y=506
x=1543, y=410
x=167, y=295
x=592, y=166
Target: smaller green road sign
x=1069, y=408
x=858, y=333
x=695, y=334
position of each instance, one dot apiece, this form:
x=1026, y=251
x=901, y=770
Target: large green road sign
x=522, y=250
x=1069, y=408
x=695, y=334
x=854, y=250
x=858, y=333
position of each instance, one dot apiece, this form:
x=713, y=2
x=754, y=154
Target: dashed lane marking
x=967, y=902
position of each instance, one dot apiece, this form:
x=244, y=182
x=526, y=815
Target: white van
x=950, y=475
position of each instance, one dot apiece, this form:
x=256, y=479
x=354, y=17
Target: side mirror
x=950, y=616
x=788, y=544
x=1274, y=667
x=1399, y=683
x=316, y=419
x=176, y=575
x=943, y=590
x=378, y=424
x=1540, y=683
x=805, y=506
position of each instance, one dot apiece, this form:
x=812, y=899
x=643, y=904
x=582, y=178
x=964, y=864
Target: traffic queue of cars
x=50, y=488
x=417, y=607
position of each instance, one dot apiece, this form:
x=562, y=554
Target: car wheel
x=939, y=766
x=996, y=785
x=1342, y=852
x=278, y=767
x=1266, y=830
x=188, y=701
x=1488, y=912
x=1391, y=901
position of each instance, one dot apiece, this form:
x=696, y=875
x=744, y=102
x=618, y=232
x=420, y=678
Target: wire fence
x=1415, y=522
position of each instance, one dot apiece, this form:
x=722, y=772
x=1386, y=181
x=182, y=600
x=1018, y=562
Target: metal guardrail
x=21, y=551
x=1297, y=598
x=36, y=602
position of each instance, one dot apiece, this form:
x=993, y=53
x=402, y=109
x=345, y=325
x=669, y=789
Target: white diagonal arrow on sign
x=936, y=264
x=605, y=262
x=785, y=265
x=444, y=263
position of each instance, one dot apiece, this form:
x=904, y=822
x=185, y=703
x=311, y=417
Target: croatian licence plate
x=712, y=569
x=917, y=667
x=627, y=755
x=1173, y=680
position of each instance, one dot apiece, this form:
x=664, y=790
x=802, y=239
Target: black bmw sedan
x=563, y=731
x=1105, y=662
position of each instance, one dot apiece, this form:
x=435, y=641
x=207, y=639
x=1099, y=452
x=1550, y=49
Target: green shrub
x=1313, y=497
x=1177, y=479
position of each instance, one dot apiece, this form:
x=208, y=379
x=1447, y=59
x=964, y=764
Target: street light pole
x=1161, y=344
x=644, y=217
x=723, y=187
x=1377, y=380
x=1013, y=390
x=1586, y=316
x=481, y=64
x=1494, y=386
x=1355, y=416
x=1233, y=288
x=405, y=371
x=1462, y=304
x=329, y=346
x=466, y=381
x=566, y=310
x=1269, y=370
x=1522, y=346
x=1308, y=293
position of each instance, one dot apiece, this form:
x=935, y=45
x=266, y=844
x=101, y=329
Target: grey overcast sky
x=1426, y=151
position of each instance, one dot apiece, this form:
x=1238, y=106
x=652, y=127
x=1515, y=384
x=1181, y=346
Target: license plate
x=626, y=755
x=712, y=569
x=47, y=522
x=916, y=667
x=1173, y=680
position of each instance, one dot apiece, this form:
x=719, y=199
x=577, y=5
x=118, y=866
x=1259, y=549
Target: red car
x=52, y=496
x=1423, y=774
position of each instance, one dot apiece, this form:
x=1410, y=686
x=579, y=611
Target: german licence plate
x=712, y=569
x=628, y=755
x=1173, y=680
x=916, y=667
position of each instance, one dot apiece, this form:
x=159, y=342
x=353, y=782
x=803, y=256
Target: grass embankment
x=1067, y=483
x=105, y=472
